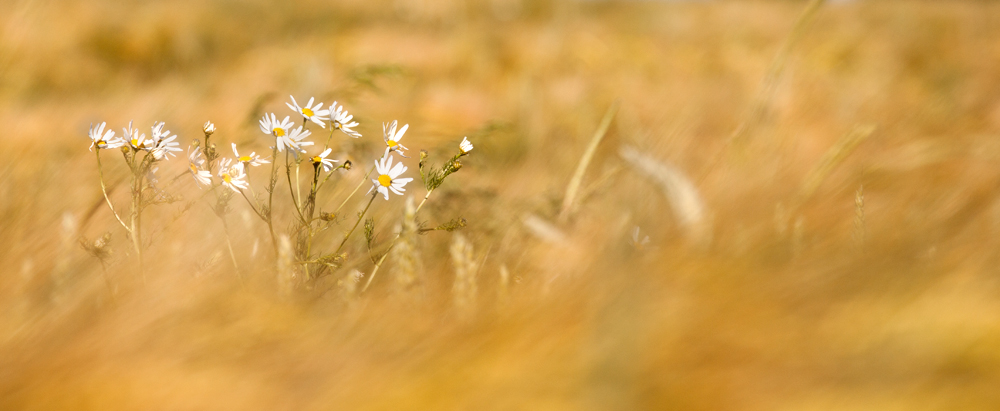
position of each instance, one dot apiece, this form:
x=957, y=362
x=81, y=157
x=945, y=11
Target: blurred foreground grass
x=791, y=297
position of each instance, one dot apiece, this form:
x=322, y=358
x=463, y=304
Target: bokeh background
x=818, y=183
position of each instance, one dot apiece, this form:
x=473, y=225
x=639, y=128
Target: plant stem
x=229, y=244
x=355, y=190
x=360, y=217
x=270, y=198
x=104, y=190
x=392, y=244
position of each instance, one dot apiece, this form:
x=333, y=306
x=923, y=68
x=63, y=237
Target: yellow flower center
x=384, y=180
x=101, y=144
x=317, y=160
x=227, y=178
x=245, y=159
x=336, y=125
x=392, y=143
x=307, y=112
x=194, y=169
x=278, y=131
x=135, y=142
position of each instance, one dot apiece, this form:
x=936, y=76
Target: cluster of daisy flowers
x=231, y=175
x=288, y=136
x=159, y=144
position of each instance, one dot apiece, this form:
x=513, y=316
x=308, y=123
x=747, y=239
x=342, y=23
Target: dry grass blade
x=833, y=158
x=685, y=201
x=574, y=183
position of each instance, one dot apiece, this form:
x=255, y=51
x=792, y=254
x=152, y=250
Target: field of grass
x=818, y=184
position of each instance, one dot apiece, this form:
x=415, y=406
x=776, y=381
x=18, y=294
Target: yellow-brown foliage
x=781, y=305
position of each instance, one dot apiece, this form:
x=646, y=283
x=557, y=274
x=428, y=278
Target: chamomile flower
x=196, y=164
x=392, y=138
x=465, y=145
x=162, y=143
x=253, y=159
x=326, y=162
x=294, y=140
x=134, y=139
x=232, y=176
x=279, y=129
x=388, y=177
x=103, y=139
x=340, y=120
x=309, y=111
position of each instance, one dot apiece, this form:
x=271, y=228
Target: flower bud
x=347, y=165
x=209, y=128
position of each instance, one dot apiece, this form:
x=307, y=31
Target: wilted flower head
x=392, y=137
x=387, y=178
x=309, y=111
x=340, y=120
x=103, y=139
x=208, y=128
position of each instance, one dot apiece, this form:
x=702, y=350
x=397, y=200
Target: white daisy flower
x=103, y=139
x=465, y=145
x=326, y=162
x=232, y=175
x=294, y=140
x=134, y=139
x=252, y=159
x=340, y=120
x=392, y=138
x=309, y=111
x=196, y=164
x=279, y=129
x=162, y=143
x=388, y=177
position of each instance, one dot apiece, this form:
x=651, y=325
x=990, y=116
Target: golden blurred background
x=817, y=182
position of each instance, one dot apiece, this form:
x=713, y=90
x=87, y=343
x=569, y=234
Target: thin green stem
x=355, y=190
x=360, y=217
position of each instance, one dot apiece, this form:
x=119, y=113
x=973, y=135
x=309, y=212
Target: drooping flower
x=196, y=164
x=340, y=120
x=311, y=112
x=392, y=137
x=388, y=177
x=326, y=162
x=103, y=139
x=232, y=175
x=465, y=145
